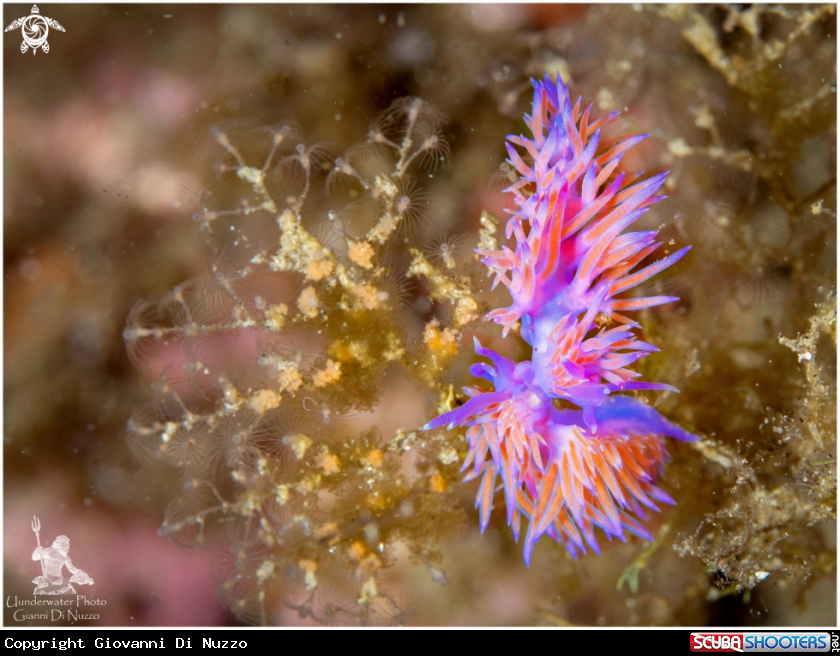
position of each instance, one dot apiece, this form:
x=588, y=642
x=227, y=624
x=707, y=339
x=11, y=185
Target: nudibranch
x=570, y=470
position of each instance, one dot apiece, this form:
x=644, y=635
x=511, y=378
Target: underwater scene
x=420, y=315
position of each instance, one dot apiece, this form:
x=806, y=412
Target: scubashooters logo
x=797, y=642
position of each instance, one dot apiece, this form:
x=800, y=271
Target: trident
x=36, y=526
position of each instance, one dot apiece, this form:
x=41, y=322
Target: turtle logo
x=35, y=29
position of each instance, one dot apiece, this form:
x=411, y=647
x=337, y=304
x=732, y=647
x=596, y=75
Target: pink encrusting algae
x=569, y=471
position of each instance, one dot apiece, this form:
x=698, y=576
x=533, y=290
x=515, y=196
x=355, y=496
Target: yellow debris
x=487, y=232
x=446, y=288
x=309, y=484
x=309, y=567
x=330, y=374
x=368, y=296
x=443, y=342
x=263, y=401
x=275, y=316
x=437, y=483
x=308, y=302
x=385, y=226
x=395, y=351
x=448, y=455
x=376, y=502
x=318, y=269
x=369, y=591
x=232, y=399
x=361, y=352
x=361, y=253
x=340, y=351
x=356, y=551
x=290, y=379
x=325, y=530
x=299, y=444
x=373, y=458
x=329, y=463
x=265, y=571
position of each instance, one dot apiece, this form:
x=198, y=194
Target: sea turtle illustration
x=35, y=30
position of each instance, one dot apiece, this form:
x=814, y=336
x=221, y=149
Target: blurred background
x=106, y=155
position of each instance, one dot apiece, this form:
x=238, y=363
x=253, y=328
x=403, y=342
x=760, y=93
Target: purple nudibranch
x=570, y=471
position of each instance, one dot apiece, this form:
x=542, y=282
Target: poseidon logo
x=35, y=29
x=53, y=561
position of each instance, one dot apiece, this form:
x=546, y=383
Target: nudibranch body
x=569, y=471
